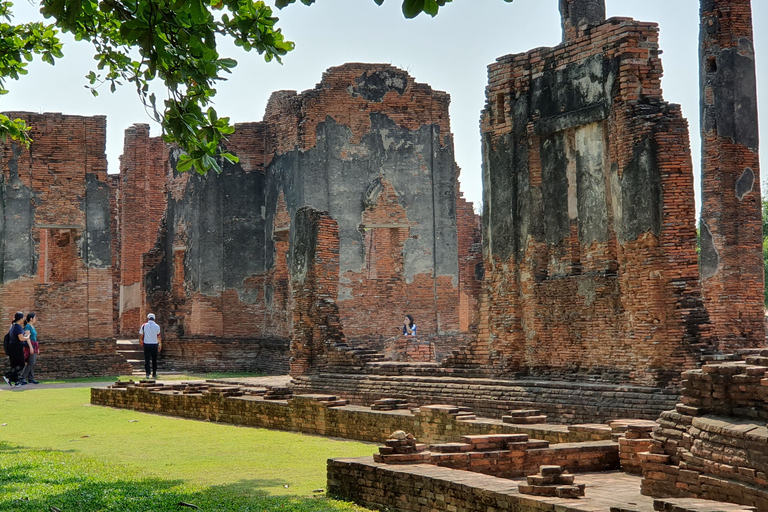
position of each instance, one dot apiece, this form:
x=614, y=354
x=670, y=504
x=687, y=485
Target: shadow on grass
x=33, y=481
x=154, y=495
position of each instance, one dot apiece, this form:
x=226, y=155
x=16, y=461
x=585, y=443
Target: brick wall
x=562, y=402
x=141, y=206
x=57, y=253
x=309, y=414
x=714, y=444
x=268, y=356
x=590, y=263
x=731, y=220
x=215, y=253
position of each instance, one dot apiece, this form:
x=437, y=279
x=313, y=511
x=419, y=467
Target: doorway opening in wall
x=58, y=255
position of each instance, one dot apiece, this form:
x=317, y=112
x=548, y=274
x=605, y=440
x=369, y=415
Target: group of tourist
x=22, y=349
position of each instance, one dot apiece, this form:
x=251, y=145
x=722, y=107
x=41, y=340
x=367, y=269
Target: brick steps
x=524, y=417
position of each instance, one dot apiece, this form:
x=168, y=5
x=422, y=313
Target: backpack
x=7, y=343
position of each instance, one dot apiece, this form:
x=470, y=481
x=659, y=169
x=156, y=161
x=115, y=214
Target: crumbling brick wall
x=315, y=282
x=57, y=255
x=369, y=145
x=589, y=239
x=731, y=220
x=714, y=444
x=141, y=205
x=373, y=148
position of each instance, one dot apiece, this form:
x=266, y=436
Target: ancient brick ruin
x=368, y=145
x=731, y=227
x=589, y=239
x=578, y=299
x=57, y=242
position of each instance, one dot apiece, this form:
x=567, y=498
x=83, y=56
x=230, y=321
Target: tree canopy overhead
x=139, y=42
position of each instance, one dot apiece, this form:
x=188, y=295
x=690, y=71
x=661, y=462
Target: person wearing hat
x=149, y=336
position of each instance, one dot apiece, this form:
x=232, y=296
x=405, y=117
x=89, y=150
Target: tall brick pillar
x=731, y=227
x=315, y=285
x=580, y=13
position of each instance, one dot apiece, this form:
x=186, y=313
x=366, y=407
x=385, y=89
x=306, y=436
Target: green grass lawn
x=57, y=448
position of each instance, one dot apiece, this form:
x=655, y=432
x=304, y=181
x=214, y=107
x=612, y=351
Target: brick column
x=314, y=283
x=578, y=13
x=731, y=225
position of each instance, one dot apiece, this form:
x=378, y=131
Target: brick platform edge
x=308, y=415
x=425, y=487
x=562, y=402
x=80, y=358
x=270, y=356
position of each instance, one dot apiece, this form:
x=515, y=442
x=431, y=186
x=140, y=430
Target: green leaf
x=412, y=8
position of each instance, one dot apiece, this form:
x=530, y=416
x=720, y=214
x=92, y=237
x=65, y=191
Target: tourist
x=18, y=339
x=149, y=336
x=31, y=350
x=409, y=327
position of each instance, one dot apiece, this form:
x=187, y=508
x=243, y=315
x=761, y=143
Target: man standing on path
x=149, y=336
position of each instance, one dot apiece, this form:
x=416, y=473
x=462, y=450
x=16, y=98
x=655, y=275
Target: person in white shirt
x=149, y=336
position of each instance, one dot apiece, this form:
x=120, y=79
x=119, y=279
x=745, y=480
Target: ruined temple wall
x=141, y=204
x=56, y=227
x=589, y=240
x=373, y=148
x=221, y=279
x=731, y=220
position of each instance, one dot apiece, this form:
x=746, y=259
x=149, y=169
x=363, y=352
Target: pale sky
x=449, y=52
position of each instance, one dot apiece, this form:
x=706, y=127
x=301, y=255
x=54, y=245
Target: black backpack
x=7, y=343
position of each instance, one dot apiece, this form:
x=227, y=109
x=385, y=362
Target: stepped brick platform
x=560, y=402
x=322, y=414
x=551, y=481
x=414, y=488
x=714, y=444
x=515, y=455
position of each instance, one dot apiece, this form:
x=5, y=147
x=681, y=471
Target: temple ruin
x=577, y=298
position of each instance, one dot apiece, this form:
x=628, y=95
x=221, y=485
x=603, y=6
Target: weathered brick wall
x=308, y=414
x=218, y=261
x=79, y=358
x=589, y=232
x=56, y=228
x=731, y=221
x=714, y=444
x=562, y=402
x=314, y=281
x=141, y=206
x=268, y=356
x=373, y=148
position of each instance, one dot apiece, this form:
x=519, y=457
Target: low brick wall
x=424, y=487
x=562, y=402
x=710, y=458
x=714, y=445
x=524, y=458
x=79, y=358
x=269, y=356
x=307, y=414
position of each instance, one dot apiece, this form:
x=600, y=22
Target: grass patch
x=35, y=480
x=240, y=461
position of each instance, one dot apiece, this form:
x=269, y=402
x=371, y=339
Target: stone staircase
x=132, y=351
x=365, y=355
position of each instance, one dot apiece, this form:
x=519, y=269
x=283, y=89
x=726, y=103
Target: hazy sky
x=449, y=52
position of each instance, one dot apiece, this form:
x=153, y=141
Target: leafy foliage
x=18, y=45
x=140, y=41
x=411, y=8
x=173, y=41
